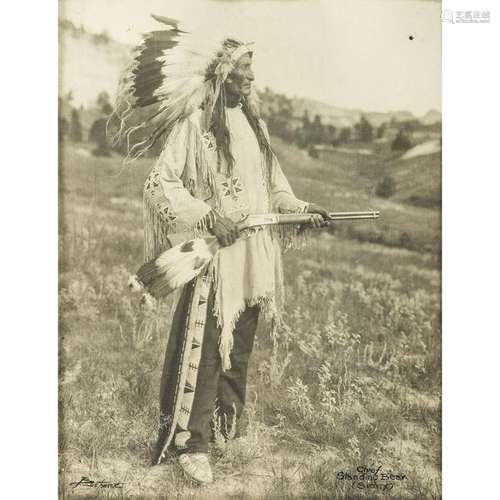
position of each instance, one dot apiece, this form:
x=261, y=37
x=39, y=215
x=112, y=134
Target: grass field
x=353, y=380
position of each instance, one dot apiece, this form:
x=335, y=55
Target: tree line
x=306, y=132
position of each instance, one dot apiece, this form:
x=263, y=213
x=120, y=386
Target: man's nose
x=250, y=75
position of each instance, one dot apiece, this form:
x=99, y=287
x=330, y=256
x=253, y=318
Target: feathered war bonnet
x=171, y=75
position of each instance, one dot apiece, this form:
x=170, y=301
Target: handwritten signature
x=89, y=483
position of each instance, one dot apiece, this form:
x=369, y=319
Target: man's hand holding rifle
x=181, y=263
x=227, y=231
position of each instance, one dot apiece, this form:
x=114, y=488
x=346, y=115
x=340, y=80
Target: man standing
x=216, y=167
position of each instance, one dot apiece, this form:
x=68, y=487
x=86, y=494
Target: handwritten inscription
x=373, y=477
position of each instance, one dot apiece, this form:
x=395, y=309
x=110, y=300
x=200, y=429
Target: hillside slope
x=89, y=64
x=347, y=182
x=418, y=179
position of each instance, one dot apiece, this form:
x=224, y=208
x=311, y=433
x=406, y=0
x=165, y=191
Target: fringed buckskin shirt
x=185, y=185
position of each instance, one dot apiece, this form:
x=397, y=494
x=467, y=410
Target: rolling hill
x=418, y=180
x=89, y=64
x=347, y=181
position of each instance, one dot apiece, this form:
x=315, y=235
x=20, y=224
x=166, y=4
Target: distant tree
x=331, y=134
x=381, y=130
x=279, y=126
x=317, y=131
x=102, y=99
x=411, y=125
x=75, y=132
x=386, y=187
x=401, y=142
x=345, y=135
x=63, y=128
x=107, y=109
x=97, y=134
x=101, y=38
x=365, y=130
x=306, y=135
x=306, y=121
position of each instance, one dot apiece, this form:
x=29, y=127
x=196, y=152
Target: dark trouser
x=224, y=389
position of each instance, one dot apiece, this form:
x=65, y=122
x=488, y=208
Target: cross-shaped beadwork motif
x=231, y=187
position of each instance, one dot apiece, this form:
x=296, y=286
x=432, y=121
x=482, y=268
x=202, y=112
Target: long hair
x=219, y=129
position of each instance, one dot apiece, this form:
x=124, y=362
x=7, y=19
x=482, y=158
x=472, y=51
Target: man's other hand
x=320, y=215
x=225, y=230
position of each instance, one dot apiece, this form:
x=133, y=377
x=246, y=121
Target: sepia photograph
x=249, y=292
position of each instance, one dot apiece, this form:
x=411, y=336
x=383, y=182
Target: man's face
x=239, y=82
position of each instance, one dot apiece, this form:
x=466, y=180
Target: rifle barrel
x=367, y=214
x=304, y=218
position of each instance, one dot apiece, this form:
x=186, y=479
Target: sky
x=351, y=53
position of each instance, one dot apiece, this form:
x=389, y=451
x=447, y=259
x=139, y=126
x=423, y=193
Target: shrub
x=401, y=142
x=365, y=130
x=313, y=152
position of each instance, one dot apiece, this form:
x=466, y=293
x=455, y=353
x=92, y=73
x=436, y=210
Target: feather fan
x=176, y=266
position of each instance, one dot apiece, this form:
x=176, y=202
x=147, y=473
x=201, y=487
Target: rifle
x=299, y=219
x=185, y=260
